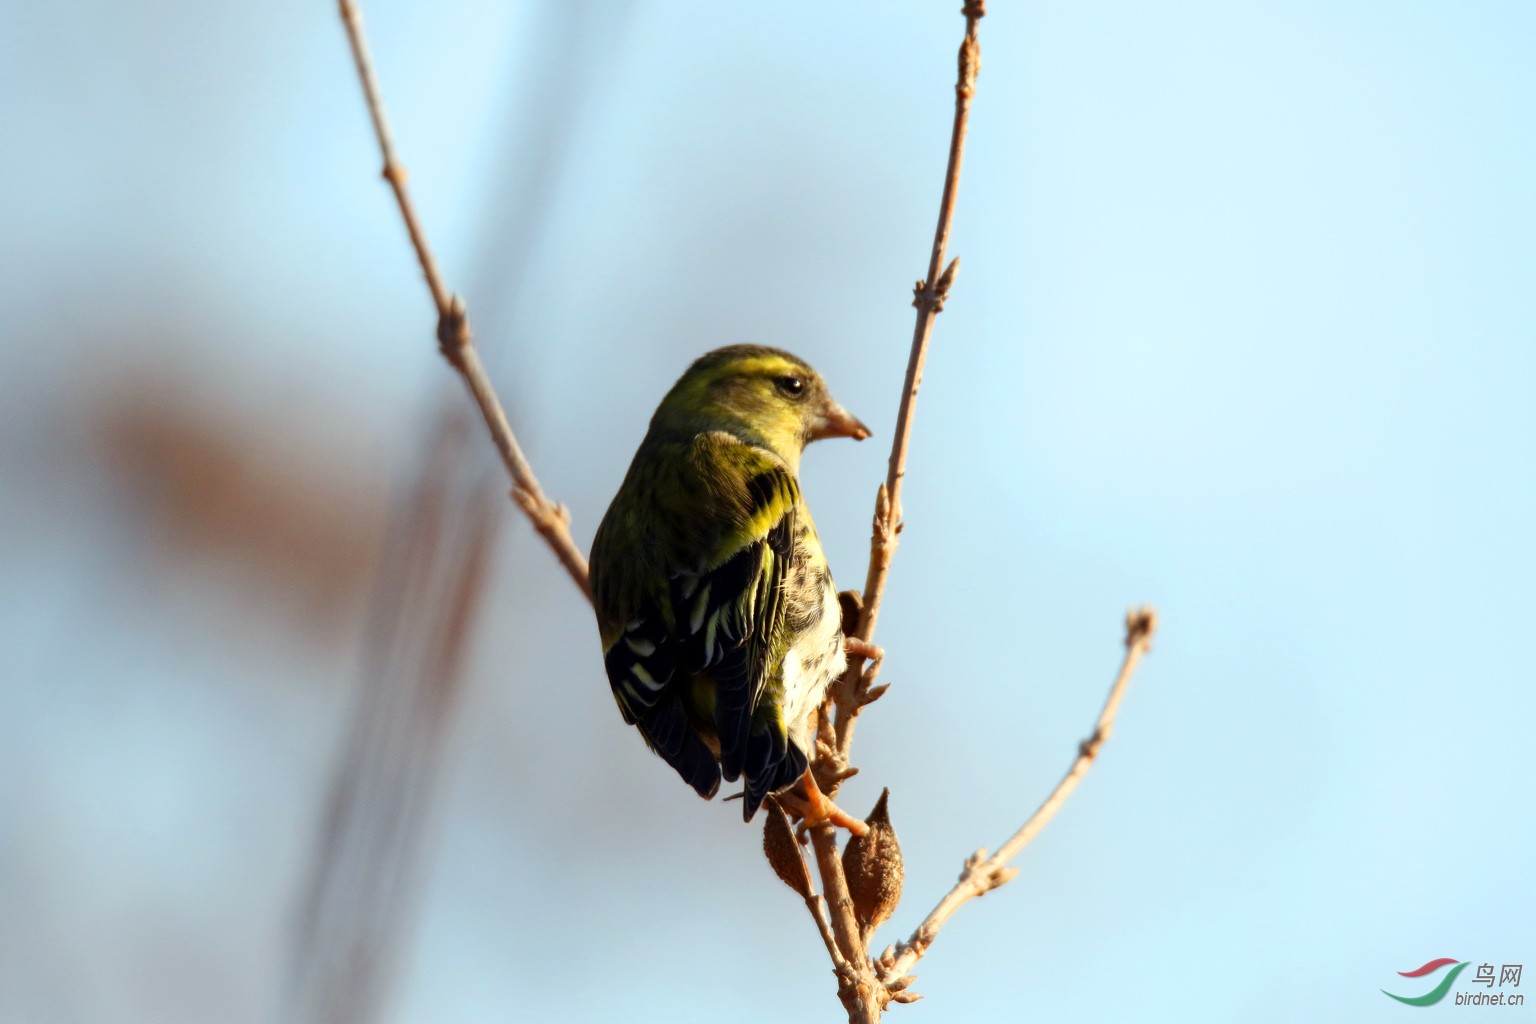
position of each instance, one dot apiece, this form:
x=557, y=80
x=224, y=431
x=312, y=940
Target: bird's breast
x=815, y=656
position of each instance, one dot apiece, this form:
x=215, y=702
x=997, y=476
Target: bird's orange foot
x=813, y=807
x=862, y=648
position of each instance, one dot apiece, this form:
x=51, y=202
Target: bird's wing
x=631, y=570
x=731, y=610
x=700, y=627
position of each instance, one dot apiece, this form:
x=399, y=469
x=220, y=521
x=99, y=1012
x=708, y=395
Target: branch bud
x=882, y=523
x=453, y=335
x=1140, y=624
x=947, y=279
x=873, y=694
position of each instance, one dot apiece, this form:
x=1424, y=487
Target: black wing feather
x=736, y=609
x=775, y=762
x=640, y=665
x=726, y=624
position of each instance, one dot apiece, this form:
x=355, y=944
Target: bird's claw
x=814, y=808
x=862, y=649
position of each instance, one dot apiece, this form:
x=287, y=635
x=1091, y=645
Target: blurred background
x=300, y=719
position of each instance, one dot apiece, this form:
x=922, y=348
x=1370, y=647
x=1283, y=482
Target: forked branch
x=865, y=987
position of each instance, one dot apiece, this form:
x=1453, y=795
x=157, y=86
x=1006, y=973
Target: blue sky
x=1244, y=329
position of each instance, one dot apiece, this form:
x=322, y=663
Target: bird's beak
x=838, y=422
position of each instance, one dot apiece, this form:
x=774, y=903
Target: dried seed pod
x=873, y=866
x=783, y=852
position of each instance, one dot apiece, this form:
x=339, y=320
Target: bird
x=720, y=624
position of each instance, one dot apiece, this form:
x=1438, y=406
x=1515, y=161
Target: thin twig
x=453, y=334
x=928, y=296
x=818, y=909
x=982, y=874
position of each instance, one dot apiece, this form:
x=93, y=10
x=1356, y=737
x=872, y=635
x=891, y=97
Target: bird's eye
x=790, y=387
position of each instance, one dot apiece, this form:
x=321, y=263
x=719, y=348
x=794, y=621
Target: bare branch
x=865, y=987
x=453, y=333
x=982, y=873
x=858, y=988
x=863, y=994
x=928, y=296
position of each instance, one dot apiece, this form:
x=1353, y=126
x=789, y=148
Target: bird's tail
x=773, y=761
x=667, y=732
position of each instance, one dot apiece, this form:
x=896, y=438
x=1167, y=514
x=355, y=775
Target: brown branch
x=863, y=993
x=858, y=987
x=982, y=873
x=851, y=693
x=453, y=333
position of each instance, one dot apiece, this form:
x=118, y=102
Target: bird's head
x=762, y=395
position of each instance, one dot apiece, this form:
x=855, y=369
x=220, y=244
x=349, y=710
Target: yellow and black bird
x=720, y=624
